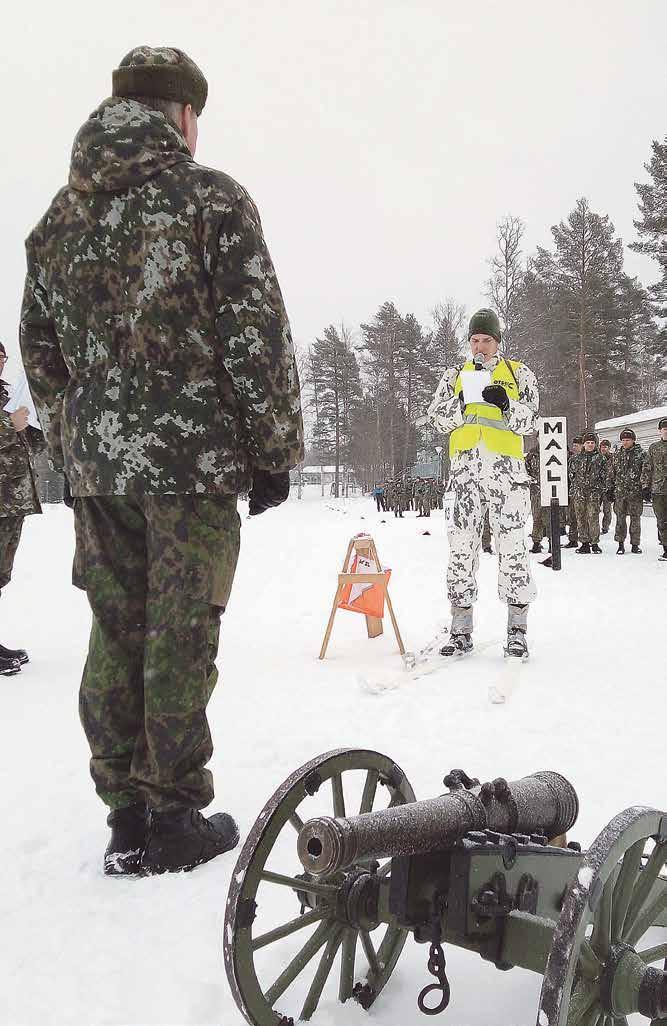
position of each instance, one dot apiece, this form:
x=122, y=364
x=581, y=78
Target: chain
x=436, y=966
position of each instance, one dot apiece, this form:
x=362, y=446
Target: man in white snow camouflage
x=488, y=472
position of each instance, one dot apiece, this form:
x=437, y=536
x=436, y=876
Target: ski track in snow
x=78, y=948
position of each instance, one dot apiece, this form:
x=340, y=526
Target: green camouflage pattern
x=532, y=464
x=660, y=510
x=628, y=506
x=153, y=330
x=18, y=491
x=158, y=571
x=587, y=472
x=654, y=469
x=588, y=517
x=10, y=536
x=624, y=473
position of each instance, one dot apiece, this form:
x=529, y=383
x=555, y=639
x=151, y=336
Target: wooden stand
x=363, y=546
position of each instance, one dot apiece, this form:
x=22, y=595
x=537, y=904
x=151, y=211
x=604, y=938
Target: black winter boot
x=13, y=653
x=537, y=547
x=184, y=839
x=9, y=667
x=596, y=549
x=584, y=549
x=488, y=550
x=637, y=551
x=620, y=551
x=458, y=645
x=129, y=833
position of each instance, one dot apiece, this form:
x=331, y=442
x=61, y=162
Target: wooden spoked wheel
x=609, y=950
x=313, y=909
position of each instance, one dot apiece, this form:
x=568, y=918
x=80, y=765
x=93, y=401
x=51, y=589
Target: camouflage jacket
x=587, y=472
x=624, y=472
x=153, y=330
x=654, y=470
x=446, y=411
x=18, y=492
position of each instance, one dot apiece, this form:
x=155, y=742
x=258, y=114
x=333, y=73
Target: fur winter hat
x=605, y=441
x=163, y=73
x=484, y=322
x=628, y=433
x=662, y=423
x=589, y=436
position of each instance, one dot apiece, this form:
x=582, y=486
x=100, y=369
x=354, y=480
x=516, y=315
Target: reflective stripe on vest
x=485, y=422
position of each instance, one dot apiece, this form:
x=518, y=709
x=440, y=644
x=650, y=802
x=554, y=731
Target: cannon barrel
x=543, y=803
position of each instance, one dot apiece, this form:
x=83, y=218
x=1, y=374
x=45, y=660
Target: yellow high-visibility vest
x=485, y=422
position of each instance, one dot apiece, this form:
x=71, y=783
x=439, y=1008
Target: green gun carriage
x=483, y=867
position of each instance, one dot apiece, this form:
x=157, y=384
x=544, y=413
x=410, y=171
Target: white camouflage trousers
x=481, y=479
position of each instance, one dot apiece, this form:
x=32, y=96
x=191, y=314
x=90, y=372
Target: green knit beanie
x=163, y=73
x=484, y=322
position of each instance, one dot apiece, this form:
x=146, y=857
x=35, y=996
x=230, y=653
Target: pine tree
x=652, y=226
x=337, y=391
x=507, y=272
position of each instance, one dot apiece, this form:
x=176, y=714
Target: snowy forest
x=594, y=336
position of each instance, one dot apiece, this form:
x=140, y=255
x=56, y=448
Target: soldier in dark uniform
x=159, y=355
x=533, y=471
x=607, y=505
x=573, y=534
x=624, y=489
x=654, y=483
x=588, y=480
x=19, y=444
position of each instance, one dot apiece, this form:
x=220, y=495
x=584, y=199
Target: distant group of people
x=603, y=482
x=404, y=493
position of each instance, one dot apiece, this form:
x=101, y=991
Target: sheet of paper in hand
x=473, y=383
x=19, y=396
x=448, y=503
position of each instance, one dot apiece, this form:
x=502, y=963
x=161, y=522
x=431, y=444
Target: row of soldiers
x=421, y=494
x=602, y=481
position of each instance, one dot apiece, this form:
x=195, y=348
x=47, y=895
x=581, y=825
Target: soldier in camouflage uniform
x=159, y=354
x=19, y=444
x=654, y=483
x=607, y=504
x=439, y=493
x=488, y=472
x=573, y=532
x=533, y=469
x=624, y=489
x=398, y=495
x=588, y=481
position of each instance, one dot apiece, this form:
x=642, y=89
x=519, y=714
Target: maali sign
x=553, y=460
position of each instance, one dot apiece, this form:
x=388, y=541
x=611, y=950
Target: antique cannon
x=486, y=868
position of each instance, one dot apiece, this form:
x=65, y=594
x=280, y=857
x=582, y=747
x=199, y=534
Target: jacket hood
x=123, y=144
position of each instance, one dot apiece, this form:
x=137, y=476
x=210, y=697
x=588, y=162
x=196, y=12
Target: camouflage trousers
x=158, y=572
x=607, y=508
x=624, y=508
x=660, y=510
x=587, y=509
x=539, y=515
x=484, y=480
x=10, y=536
x=486, y=532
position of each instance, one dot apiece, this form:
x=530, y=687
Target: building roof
x=656, y=413
x=327, y=470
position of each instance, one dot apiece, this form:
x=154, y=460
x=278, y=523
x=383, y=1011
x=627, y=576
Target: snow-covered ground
x=78, y=948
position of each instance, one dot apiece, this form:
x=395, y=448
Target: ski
x=424, y=663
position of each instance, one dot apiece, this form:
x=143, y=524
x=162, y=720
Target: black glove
x=497, y=396
x=267, y=490
x=610, y=495
x=646, y=494
x=67, y=495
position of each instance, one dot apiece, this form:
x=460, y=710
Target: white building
x=644, y=423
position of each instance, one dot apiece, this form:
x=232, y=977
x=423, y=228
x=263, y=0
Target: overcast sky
x=382, y=141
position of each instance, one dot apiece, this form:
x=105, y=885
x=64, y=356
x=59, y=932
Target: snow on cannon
x=486, y=868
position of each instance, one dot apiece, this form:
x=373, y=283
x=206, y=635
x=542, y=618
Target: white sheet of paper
x=473, y=383
x=19, y=395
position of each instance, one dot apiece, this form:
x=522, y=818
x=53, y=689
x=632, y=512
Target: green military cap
x=484, y=322
x=163, y=73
